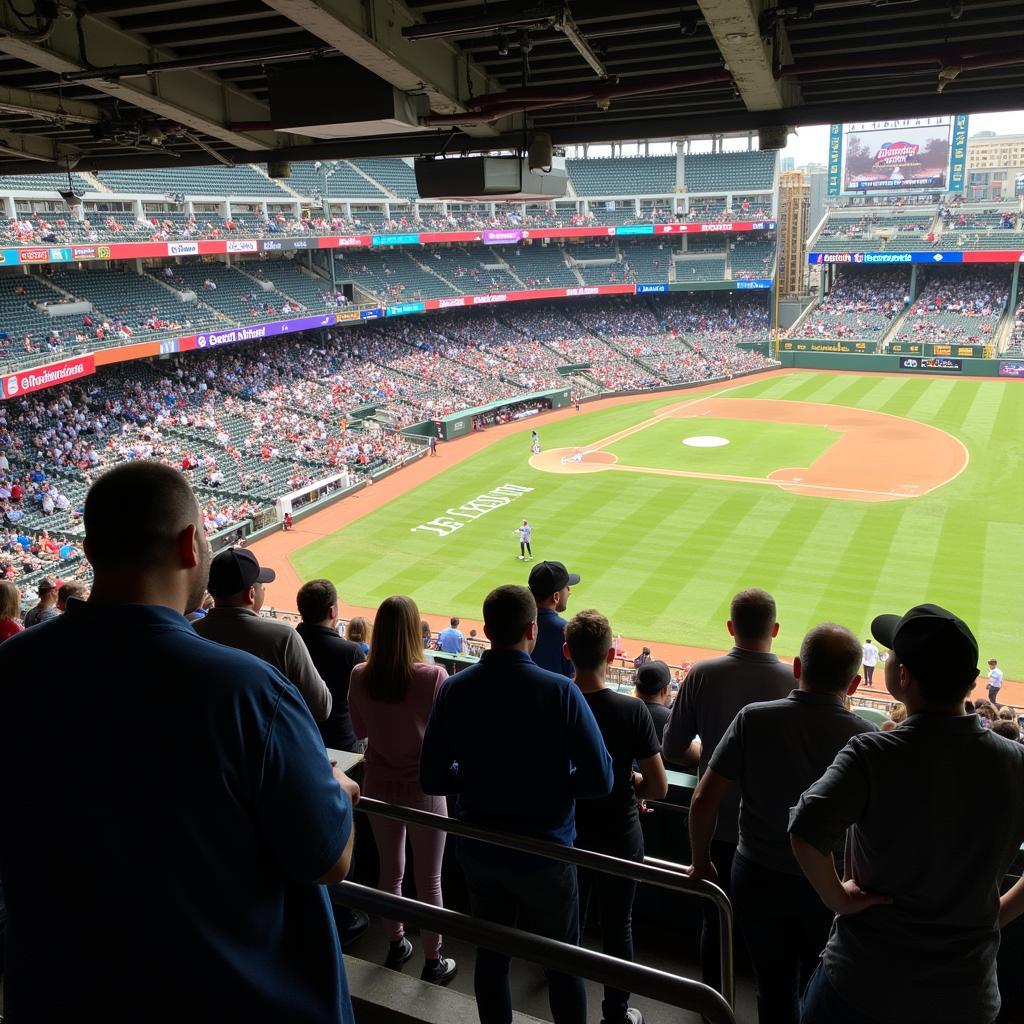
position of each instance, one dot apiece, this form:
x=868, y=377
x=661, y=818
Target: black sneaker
x=633, y=1016
x=399, y=953
x=351, y=924
x=439, y=971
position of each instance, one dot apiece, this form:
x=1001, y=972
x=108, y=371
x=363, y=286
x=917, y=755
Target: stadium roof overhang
x=175, y=82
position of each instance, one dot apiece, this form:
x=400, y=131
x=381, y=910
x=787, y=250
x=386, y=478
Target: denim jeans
x=785, y=927
x=611, y=897
x=822, y=1004
x=534, y=895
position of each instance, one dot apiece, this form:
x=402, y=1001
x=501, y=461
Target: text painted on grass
x=456, y=518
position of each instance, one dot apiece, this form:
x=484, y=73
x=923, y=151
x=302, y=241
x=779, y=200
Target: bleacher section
x=25, y=330
x=395, y=175
x=540, y=266
x=34, y=182
x=242, y=180
x=692, y=270
x=752, y=258
x=236, y=295
x=958, y=304
x=861, y=305
x=391, y=276
x=729, y=172
x=311, y=291
x=623, y=176
x=469, y=269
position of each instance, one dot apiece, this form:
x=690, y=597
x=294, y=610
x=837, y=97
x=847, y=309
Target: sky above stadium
x=810, y=144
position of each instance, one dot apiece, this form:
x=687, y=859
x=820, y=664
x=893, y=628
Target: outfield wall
x=935, y=366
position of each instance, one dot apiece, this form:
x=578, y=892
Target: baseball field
x=845, y=495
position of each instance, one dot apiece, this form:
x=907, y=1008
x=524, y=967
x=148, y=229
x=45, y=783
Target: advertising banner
x=688, y=228
x=647, y=289
x=832, y=345
x=835, y=160
x=967, y=351
x=9, y=258
x=255, y=332
x=409, y=239
x=242, y=245
x=405, y=308
x=906, y=348
x=958, y=160
x=347, y=316
x=1011, y=368
x=26, y=381
x=287, y=244
x=634, y=229
x=182, y=248
x=908, y=155
x=502, y=237
x=371, y=314
x=888, y=259
x=931, y=363
x=753, y=282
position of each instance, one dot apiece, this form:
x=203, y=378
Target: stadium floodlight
x=567, y=26
x=450, y=28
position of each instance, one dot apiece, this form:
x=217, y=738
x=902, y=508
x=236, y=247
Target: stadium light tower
x=321, y=166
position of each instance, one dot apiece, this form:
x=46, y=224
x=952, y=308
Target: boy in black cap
x=550, y=584
x=923, y=882
x=653, y=686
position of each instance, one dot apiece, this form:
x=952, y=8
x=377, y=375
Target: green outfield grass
x=661, y=556
x=754, y=448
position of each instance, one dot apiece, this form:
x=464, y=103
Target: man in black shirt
x=611, y=824
x=654, y=687
x=334, y=658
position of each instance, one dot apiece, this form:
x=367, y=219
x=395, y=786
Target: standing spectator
x=333, y=657
x=869, y=659
x=611, y=824
x=210, y=860
x=922, y=886
x=10, y=610
x=392, y=694
x=236, y=584
x=71, y=591
x=551, y=583
x=358, y=632
x=995, y=681
x=772, y=752
x=711, y=696
x=642, y=658
x=451, y=639
x=533, y=795
x=654, y=687
x=47, y=606
x=432, y=445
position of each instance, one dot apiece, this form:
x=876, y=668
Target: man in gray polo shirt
x=711, y=696
x=772, y=752
x=236, y=586
x=917, y=926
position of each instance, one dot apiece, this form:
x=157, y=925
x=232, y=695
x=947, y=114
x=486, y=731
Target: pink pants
x=427, y=852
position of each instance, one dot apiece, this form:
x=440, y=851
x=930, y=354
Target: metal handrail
x=682, y=993
x=653, y=873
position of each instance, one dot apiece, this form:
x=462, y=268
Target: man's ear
x=611, y=655
x=797, y=668
x=728, y=626
x=188, y=546
x=775, y=630
x=565, y=651
x=852, y=688
x=530, y=633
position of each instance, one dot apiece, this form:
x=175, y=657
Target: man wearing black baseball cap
x=236, y=586
x=923, y=879
x=550, y=584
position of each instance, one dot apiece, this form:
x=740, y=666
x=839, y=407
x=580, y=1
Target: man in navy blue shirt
x=170, y=814
x=541, y=750
x=551, y=583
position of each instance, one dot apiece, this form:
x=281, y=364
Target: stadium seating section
x=958, y=304
x=623, y=176
x=862, y=305
x=729, y=172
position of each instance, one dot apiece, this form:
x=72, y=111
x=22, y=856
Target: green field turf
x=661, y=556
x=754, y=448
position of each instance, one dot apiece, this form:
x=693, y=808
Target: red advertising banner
x=456, y=301
x=131, y=250
x=24, y=382
x=994, y=256
x=344, y=242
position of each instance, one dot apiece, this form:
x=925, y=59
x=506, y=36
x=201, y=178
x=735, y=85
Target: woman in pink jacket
x=390, y=697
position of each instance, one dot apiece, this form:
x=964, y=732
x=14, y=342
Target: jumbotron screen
x=922, y=154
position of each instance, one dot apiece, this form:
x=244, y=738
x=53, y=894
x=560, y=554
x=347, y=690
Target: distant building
x=794, y=227
x=993, y=162
x=788, y=163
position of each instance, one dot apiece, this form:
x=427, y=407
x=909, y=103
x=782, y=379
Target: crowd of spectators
x=958, y=305
x=861, y=304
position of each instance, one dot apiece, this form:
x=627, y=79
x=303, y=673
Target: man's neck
x=142, y=591
x=590, y=680
x=920, y=707
x=754, y=646
x=522, y=647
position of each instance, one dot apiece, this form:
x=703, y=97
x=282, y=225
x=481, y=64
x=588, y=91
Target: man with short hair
x=206, y=816
x=771, y=753
x=711, y=696
x=46, y=609
x=333, y=657
x=995, y=681
x=653, y=685
x=922, y=883
x=236, y=585
x=869, y=659
x=551, y=583
x=451, y=639
x=611, y=824
x=73, y=590
x=540, y=752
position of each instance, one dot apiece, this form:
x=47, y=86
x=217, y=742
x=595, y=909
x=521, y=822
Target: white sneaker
x=521, y=558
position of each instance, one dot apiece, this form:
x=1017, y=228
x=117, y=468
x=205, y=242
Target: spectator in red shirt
x=10, y=610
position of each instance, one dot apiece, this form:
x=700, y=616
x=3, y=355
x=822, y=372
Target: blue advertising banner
x=958, y=154
x=9, y=257
x=396, y=239
x=754, y=282
x=884, y=258
x=405, y=308
x=835, y=160
x=646, y=289
x=371, y=314
x=635, y=229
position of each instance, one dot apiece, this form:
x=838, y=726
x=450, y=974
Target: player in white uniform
x=995, y=680
x=870, y=660
x=525, y=532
